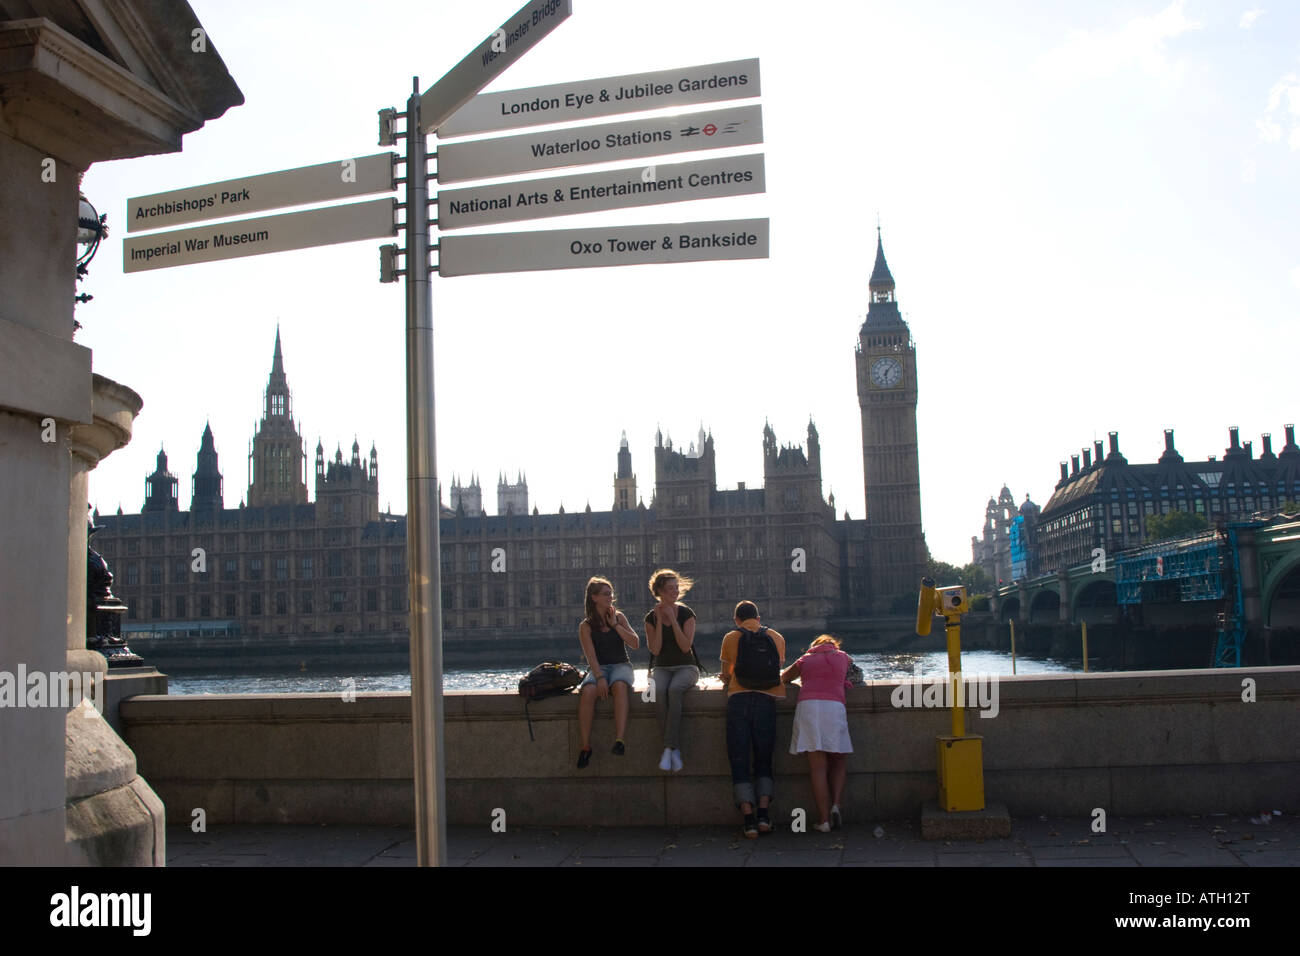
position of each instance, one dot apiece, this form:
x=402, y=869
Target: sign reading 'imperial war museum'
x=253, y=237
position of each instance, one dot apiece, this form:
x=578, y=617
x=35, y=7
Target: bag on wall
x=549, y=679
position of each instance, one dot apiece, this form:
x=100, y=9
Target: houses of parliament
x=286, y=565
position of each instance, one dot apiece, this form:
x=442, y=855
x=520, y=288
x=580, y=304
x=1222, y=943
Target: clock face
x=886, y=372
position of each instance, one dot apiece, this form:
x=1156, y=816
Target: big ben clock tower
x=886, y=360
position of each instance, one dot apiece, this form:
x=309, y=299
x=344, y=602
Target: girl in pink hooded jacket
x=821, y=723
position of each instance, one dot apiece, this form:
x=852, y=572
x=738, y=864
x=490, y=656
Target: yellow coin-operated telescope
x=960, y=756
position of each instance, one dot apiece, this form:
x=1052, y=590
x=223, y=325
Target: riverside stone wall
x=1129, y=743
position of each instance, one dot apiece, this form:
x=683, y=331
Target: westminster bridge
x=1239, y=582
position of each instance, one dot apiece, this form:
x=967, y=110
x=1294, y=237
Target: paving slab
x=762, y=857
x=1005, y=858
x=1205, y=841
x=1087, y=851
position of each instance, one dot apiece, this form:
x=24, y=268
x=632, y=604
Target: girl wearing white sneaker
x=670, y=636
x=821, y=724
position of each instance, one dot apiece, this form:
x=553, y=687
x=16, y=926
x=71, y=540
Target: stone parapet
x=1129, y=743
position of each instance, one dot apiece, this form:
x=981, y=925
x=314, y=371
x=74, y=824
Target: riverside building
x=1103, y=501
x=284, y=565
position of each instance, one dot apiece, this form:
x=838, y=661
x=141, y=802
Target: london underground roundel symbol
x=710, y=129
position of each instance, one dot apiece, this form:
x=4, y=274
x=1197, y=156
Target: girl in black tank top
x=605, y=636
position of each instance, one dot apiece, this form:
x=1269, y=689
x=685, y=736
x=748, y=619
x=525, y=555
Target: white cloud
x=1288, y=89
x=1248, y=18
x=1283, y=108
x=1247, y=170
x=1140, y=43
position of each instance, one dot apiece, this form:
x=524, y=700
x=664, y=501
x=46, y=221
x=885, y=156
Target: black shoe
x=764, y=823
x=584, y=756
x=618, y=749
x=751, y=830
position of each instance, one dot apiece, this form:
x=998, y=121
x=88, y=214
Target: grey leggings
x=670, y=684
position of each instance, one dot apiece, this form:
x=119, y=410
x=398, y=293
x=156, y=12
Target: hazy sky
x=1090, y=210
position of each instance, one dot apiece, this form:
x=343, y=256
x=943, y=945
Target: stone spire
x=882, y=282
x=206, y=488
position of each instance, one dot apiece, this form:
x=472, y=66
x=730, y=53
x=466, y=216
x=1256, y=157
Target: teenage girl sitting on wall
x=605, y=636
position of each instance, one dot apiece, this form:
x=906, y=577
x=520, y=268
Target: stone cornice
x=114, y=407
x=60, y=96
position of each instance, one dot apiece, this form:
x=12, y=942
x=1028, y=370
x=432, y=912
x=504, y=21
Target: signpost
x=483, y=254
x=596, y=192
x=486, y=61
x=255, y=237
x=577, y=146
x=603, y=246
x=609, y=96
x=289, y=187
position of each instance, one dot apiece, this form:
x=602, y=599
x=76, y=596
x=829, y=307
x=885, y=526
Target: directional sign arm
x=507, y=43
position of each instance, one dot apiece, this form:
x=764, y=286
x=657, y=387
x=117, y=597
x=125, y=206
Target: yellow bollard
x=953, y=634
x=960, y=757
x=1085, y=646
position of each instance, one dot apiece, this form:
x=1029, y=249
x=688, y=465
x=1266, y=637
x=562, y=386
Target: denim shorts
x=612, y=674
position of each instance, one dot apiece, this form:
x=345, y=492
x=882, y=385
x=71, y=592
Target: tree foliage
x=1174, y=525
x=972, y=575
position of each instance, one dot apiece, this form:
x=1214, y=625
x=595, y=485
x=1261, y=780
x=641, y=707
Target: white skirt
x=820, y=725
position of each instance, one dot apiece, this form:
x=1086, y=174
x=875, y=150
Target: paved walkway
x=1217, y=840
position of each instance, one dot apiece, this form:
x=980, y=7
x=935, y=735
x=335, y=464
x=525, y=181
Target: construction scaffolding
x=1198, y=568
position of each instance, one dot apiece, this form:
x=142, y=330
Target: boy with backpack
x=752, y=656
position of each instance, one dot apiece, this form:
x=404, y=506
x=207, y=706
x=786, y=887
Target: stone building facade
x=1102, y=501
x=1007, y=537
x=283, y=565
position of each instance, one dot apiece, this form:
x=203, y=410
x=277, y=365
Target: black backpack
x=758, y=665
x=550, y=679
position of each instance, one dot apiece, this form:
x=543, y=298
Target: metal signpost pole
x=422, y=509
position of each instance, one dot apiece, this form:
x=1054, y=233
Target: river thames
x=890, y=665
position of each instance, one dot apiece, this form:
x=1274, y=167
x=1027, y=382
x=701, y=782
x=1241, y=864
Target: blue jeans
x=751, y=725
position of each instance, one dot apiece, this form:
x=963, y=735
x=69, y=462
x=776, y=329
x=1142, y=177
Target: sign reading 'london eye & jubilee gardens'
x=607, y=96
